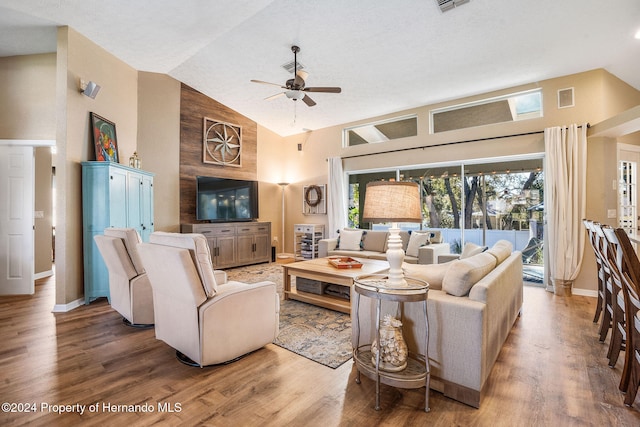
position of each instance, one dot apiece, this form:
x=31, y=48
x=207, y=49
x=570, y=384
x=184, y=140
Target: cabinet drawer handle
x=205, y=231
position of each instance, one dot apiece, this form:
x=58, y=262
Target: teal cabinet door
x=113, y=195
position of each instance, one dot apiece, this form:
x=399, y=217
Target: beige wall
x=27, y=97
x=158, y=144
x=78, y=57
x=269, y=173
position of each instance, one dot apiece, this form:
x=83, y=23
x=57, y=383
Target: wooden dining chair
x=591, y=233
x=617, y=267
x=601, y=248
x=631, y=291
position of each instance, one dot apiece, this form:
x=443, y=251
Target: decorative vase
x=134, y=161
x=393, y=355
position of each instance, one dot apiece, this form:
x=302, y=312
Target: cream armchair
x=207, y=322
x=129, y=288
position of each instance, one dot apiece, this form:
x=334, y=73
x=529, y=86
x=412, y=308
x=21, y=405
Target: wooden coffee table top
x=322, y=266
x=320, y=269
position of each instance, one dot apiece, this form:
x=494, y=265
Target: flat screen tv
x=222, y=199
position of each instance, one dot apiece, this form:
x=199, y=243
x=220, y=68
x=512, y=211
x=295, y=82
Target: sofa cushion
x=471, y=249
x=350, y=240
x=501, y=250
x=433, y=274
x=464, y=273
x=374, y=240
x=199, y=251
x=417, y=240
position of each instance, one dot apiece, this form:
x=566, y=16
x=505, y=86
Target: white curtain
x=565, y=201
x=336, y=203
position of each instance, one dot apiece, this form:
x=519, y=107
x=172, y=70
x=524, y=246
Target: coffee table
x=320, y=269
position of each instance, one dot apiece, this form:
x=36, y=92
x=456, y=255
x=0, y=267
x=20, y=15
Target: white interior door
x=628, y=191
x=16, y=220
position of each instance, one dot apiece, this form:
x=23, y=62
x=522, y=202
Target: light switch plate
x=612, y=213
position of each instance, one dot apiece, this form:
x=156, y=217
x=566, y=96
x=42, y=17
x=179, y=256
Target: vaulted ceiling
x=386, y=55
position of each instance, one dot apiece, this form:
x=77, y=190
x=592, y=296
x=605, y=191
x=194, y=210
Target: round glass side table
x=417, y=373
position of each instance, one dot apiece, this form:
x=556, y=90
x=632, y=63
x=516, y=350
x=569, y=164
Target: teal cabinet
x=113, y=195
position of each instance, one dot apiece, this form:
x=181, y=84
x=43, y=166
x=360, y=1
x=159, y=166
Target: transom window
x=381, y=131
x=507, y=108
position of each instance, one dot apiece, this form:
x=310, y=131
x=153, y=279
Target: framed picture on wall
x=105, y=141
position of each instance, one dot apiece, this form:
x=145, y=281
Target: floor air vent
x=445, y=5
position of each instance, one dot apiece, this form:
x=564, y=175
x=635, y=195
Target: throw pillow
x=350, y=240
x=471, y=249
x=433, y=274
x=501, y=250
x=374, y=241
x=436, y=237
x=464, y=273
x=417, y=240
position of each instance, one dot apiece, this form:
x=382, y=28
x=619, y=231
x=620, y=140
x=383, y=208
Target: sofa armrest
x=429, y=254
x=326, y=245
x=444, y=258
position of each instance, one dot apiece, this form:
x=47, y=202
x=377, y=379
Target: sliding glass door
x=479, y=203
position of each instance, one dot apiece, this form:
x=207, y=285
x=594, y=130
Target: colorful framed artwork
x=105, y=141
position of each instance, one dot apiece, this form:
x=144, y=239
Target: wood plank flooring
x=552, y=371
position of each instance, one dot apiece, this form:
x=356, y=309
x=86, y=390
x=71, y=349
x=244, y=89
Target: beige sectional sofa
x=421, y=247
x=472, y=305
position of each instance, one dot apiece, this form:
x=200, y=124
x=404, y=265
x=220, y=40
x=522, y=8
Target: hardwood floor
x=552, y=371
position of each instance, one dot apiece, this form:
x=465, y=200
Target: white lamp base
x=395, y=257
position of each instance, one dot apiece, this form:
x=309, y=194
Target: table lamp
x=394, y=202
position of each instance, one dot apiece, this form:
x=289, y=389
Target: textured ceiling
x=386, y=55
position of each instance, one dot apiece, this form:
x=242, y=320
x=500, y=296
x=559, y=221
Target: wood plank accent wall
x=194, y=107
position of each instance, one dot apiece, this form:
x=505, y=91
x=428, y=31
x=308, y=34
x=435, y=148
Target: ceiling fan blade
x=269, y=98
x=267, y=83
x=310, y=102
x=323, y=89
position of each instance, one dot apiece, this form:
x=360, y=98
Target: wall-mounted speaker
x=565, y=98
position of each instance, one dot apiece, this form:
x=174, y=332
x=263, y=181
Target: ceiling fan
x=295, y=88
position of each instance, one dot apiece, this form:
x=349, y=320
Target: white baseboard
x=43, y=274
x=584, y=292
x=63, y=308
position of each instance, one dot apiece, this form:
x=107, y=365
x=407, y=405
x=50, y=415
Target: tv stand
x=233, y=244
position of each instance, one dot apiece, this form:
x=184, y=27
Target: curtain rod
x=444, y=144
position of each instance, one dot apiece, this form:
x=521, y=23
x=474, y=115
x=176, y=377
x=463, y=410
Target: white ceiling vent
x=445, y=5
x=289, y=66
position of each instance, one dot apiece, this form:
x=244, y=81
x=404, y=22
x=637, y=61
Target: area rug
x=258, y=273
x=316, y=333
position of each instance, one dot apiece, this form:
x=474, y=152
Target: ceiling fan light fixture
x=296, y=95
